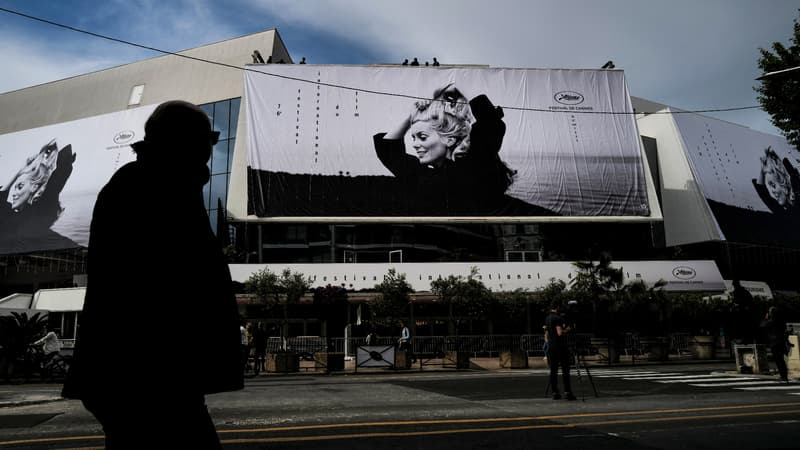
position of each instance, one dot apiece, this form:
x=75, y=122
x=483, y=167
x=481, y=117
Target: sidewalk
x=12, y=395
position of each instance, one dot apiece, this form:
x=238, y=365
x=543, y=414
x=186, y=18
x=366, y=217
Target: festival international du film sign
x=334, y=141
x=749, y=179
x=50, y=178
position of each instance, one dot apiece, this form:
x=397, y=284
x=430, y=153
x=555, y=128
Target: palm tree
x=595, y=282
x=17, y=332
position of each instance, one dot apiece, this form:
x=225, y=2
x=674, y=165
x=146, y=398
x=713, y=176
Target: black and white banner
x=749, y=179
x=336, y=141
x=50, y=177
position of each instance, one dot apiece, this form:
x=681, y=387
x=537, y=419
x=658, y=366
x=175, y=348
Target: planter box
x=751, y=358
x=702, y=347
x=330, y=361
x=460, y=359
x=514, y=360
x=402, y=359
x=657, y=349
x=606, y=349
x=283, y=362
x=793, y=360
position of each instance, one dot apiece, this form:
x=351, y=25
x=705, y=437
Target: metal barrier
x=679, y=343
x=475, y=345
x=480, y=345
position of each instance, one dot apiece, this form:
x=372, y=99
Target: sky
x=691, y=54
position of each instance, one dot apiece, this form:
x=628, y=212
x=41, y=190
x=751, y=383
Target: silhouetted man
x=558, y=354
x=415, y=62
x=153, y=341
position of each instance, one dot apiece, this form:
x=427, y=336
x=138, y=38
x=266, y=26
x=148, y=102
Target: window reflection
x=219, y=190
x=224, y=116
x=219, y=158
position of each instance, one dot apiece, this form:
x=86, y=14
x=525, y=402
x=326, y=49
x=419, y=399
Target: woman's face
x=776, y=180
x=431, y=148
x=21, y=191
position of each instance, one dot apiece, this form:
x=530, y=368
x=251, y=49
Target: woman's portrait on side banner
x=778, y=183
x=30, y=201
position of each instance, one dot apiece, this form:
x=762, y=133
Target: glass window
x=219, y=158
x=206, y=190
x=234, y=116
x=231, y=145
x=209, y=109
x=219, y=189
x=212, y=218
x=222, y=124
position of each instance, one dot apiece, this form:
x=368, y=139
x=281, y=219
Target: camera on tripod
x=579, y=344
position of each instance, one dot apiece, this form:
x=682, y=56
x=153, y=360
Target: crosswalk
x=707, y=380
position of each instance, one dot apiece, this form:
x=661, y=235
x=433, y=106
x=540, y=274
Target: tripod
x=576, y=360
x=580, y=363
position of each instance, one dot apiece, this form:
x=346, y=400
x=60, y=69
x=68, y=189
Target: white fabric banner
x=50, y=177
x=680, y=275
x=312, y=150
x=749, y=179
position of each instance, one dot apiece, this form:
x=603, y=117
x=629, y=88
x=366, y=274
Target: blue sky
x=686, y=53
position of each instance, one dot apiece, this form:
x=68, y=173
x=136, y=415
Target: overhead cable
x=349, y=88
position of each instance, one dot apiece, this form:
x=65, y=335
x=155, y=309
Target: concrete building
x=331, y=244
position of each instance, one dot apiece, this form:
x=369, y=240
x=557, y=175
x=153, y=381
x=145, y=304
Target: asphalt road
x=689, y=406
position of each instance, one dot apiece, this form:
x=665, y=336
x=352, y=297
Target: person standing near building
x=152, y=259
x=773, y=329
x=51, y=346
x=405, y=337
x=260, y=346
x=558, y=354
x=244, y=343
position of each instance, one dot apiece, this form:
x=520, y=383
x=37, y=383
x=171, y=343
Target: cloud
x=689, y=54
x=43, y=53
x=34, y=63
x=693, y=55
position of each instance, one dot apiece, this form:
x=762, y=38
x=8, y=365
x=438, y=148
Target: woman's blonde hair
x=449, y=119
x=38, y=169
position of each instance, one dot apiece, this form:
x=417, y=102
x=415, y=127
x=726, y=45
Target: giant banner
x=365, y=142
x=50, y=177
x=749, y=179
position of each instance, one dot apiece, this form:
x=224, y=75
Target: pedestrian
x=244, y=343
x=303, y=61
x=141, y=376
x=51, y=346
x=405, y=337
x=260, y=345
x=414, y=62
x=405, y=62
x=435, y=62
x=558, y=354
x=745, y=313
x=774, y=334
x=372, y=337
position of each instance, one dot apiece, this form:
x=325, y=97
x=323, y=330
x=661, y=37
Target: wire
x=349, y=88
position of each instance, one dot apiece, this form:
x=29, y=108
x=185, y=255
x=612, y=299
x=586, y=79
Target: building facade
x=219, y=89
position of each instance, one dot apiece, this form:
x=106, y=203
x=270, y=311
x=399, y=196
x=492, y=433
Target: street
x=665, y=406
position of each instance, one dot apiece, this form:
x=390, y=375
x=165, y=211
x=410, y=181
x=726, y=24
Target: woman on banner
x=778, y=183
x=30, y=204
x=457, y=170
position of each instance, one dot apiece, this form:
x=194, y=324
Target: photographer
x=558, y=352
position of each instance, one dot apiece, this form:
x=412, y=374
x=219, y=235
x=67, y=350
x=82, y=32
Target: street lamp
x=793, y=71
